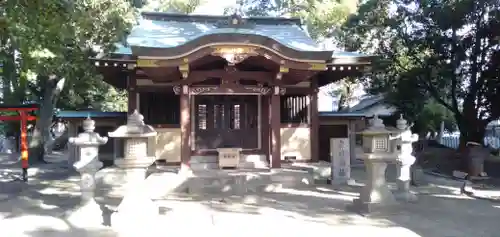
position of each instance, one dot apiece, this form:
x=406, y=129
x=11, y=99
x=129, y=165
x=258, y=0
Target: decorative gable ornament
x=235, y=21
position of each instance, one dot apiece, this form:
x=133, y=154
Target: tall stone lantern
x=405, y=160
x=134, y=166
x=88, y=143
x=378, y=150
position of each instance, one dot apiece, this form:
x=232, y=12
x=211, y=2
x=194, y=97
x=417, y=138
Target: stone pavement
x=40, y=208
x=440, y=212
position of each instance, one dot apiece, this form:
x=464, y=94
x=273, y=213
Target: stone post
x=405, y=140
x=88, y=144
x=340, y=160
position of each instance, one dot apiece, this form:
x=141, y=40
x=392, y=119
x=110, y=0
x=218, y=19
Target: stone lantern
x=136, y=135
x=378, y=150
x=134, y=166
x=405, y=159
x=88, y=164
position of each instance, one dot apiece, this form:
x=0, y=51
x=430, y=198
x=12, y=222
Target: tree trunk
x=41, y=131
x=9, y=73
x=471, y=130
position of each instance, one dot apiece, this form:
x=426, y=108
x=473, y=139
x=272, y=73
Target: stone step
x=246, y=162
x=234, y=182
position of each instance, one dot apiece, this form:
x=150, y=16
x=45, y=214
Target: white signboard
x=340, y=160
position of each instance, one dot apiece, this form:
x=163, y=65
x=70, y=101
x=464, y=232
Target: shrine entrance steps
x=167, y=181
x=247, y=161
x=231, y=182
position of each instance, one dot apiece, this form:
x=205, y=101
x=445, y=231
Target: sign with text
x=340, y=159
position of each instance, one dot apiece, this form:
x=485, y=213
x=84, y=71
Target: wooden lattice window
x=202, y=116
x=235, y=119
x=294, y=109
x=160, y=108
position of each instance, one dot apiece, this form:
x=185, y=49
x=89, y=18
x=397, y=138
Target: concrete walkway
x=40, y=208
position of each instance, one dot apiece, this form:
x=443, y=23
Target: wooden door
x=226, y=121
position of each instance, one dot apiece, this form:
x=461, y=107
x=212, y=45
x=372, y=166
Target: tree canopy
x=45, y=44
x=447, y=51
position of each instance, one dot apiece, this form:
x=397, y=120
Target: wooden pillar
x=24, y=145
x=185, y=102
x=275, y=114
x=264, y=127
x=314, y=122
x=132, y=93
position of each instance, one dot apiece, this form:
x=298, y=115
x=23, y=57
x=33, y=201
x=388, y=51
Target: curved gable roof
x=167, y=30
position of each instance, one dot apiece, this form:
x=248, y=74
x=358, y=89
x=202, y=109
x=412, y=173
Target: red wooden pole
x=24, y=145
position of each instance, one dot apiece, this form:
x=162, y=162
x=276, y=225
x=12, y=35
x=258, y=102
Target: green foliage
x=433, y=51
x=322, y=17
x=323, y=20
x=174, y=6
x=57, y=38
x=48, y=42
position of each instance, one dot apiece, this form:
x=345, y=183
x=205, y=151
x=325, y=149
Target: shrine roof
x=340, y=114
x=18, y=106
x=166, y=30
x=91, y=114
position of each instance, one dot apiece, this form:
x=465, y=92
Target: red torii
x=24, y=117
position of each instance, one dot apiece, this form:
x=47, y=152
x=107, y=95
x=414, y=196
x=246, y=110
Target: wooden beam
x=237, y=74
x=228, y=89
x=17, y=118
x=16, y=109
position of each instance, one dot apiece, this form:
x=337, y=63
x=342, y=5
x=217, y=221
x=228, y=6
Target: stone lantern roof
x=376, y=127
x=135, y=127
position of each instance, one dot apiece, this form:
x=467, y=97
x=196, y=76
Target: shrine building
x=208, y=82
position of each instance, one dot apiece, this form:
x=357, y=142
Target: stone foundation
x=236, y=182
x=246, y=162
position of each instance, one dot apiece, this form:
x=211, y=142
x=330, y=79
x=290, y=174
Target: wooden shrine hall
x=209, y=82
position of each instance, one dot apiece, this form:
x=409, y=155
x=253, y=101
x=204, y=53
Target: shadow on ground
x=440, y=211
x=39, y=207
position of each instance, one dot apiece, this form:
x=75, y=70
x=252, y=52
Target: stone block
x=418, y=177
x=459, y=174
x=203, y=166
x=289, y=178
x=372, y=208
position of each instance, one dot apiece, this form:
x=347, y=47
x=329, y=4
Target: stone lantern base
x=375, y=195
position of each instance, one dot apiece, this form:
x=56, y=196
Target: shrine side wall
x=296, y=142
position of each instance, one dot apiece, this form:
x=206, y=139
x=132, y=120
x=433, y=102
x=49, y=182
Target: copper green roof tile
x=167, y=30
